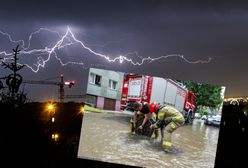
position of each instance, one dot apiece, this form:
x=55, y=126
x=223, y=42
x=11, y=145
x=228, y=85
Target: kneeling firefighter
x=139, y=109
x=171, y=119
x=149, y=113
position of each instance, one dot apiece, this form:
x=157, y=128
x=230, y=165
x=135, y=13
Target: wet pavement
x=105, y=136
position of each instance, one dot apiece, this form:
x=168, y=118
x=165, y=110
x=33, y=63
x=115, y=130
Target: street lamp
x=82, y=109
x=50, y=107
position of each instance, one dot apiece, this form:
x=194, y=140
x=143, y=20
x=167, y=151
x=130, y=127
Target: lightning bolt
x=68, y=39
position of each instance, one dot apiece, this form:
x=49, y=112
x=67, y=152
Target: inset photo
x=147, y=121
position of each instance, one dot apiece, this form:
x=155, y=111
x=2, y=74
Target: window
x=112, y=84
x=95, y=79
x=92, y=78
x=98, y=80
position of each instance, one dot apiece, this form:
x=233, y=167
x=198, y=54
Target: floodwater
x=106, y=137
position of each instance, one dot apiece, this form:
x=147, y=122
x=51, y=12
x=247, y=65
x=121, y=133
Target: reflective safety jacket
x=168, y=114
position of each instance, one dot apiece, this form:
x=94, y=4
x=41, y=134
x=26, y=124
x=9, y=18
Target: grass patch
x=92, y=109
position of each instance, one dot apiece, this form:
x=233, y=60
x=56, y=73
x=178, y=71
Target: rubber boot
x=132, y=129
x=156, y=133
x=167, y=146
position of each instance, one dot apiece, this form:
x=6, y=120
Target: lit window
x=55, y=137
x=112, y=84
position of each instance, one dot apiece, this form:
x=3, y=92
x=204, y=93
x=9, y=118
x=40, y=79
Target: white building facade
x=104, y=89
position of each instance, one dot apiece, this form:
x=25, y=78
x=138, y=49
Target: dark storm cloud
x=112, y=11
x=153, y=28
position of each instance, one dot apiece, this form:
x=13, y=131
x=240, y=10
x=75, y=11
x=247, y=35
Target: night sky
x=151, y=28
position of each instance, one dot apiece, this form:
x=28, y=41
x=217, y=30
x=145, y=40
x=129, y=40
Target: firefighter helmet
x=154, y=107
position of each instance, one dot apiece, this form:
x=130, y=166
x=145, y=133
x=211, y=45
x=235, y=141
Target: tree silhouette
x=13, y=81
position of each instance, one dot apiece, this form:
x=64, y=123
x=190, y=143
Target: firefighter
x=144, y=109
x=171, y=119
x=149, y=112
x=140, y=108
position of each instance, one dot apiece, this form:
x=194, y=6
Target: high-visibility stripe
x=167, y=145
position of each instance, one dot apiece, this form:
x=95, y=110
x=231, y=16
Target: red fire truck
x=154, y=89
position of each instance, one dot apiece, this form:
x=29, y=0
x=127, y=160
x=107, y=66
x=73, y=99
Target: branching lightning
x=68, y=39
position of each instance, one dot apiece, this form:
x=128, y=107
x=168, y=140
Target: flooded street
x=106, y=137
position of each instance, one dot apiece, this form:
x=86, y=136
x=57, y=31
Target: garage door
x=109, y=104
